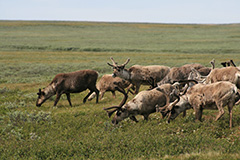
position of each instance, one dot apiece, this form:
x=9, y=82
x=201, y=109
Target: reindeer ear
x=118, y=113
x=223, y=64
x=39, y=92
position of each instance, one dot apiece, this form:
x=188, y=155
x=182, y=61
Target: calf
x=66, y=83
x=109, y=83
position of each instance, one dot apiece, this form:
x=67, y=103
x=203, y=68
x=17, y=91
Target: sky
x=146, y=11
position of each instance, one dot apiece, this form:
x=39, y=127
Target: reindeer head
x=41, y=98
x=195, y=75
x=118, y=70
x=121, y=114
x=44, y=94
x=121, y=111
x=179, y=105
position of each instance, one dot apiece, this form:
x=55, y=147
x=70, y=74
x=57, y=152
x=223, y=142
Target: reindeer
x=144, y=103
x=139, y=75
x=231, y=74
x=182, y=73
x=109, y=83
x=66, y=83
x=204, y=96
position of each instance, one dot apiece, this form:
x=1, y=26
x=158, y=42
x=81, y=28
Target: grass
x=32, y=53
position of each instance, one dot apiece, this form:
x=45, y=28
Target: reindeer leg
x=137, y=89
x=113, y=94
x=134, y=119
x=198, y=113
x=184, y=113
x=221, y=111
x=130, y=87
x=146, y=117
x=58, y=95
x=85, y=99
x=101, y=94
x=230, y=107
x=97, y=93
x=69, y=99
x=92, y=89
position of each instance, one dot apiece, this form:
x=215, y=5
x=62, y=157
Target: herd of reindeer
x=172, y=90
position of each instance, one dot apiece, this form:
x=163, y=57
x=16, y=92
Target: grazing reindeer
x=144, y=103
x=109, y=83
x=204, y=96
x=66, y=83
x=138, y=75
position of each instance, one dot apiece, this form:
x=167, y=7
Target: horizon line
x=127, y=22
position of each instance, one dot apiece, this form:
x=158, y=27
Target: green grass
x=32, y=53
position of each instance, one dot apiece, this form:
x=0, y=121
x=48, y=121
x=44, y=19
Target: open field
x=32, y=53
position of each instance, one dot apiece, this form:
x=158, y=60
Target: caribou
x=139, y=75
x=109, y=83
x=231, y=74
x=66, y=83
x=182, y=73
x=144, y=103
x=204, y=96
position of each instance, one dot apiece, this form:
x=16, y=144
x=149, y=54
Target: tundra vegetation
x=32, y=53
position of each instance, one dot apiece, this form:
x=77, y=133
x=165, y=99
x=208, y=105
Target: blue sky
x=156, y=11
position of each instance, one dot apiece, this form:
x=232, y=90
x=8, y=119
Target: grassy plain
x=32, y=53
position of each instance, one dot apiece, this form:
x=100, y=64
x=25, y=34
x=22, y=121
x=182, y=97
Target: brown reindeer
x=182, y=73
x=66, y=83
x=139, y=75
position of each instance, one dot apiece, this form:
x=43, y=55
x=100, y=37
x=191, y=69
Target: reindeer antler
x=186, y=82
x=213, y=63
x=124, y=64
x=176, y=93
x=111, y=112
x=165, y=111
x=227, y=64
x=120, y=105
x=169, y=106
x=114, y=63
x=232, y=63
